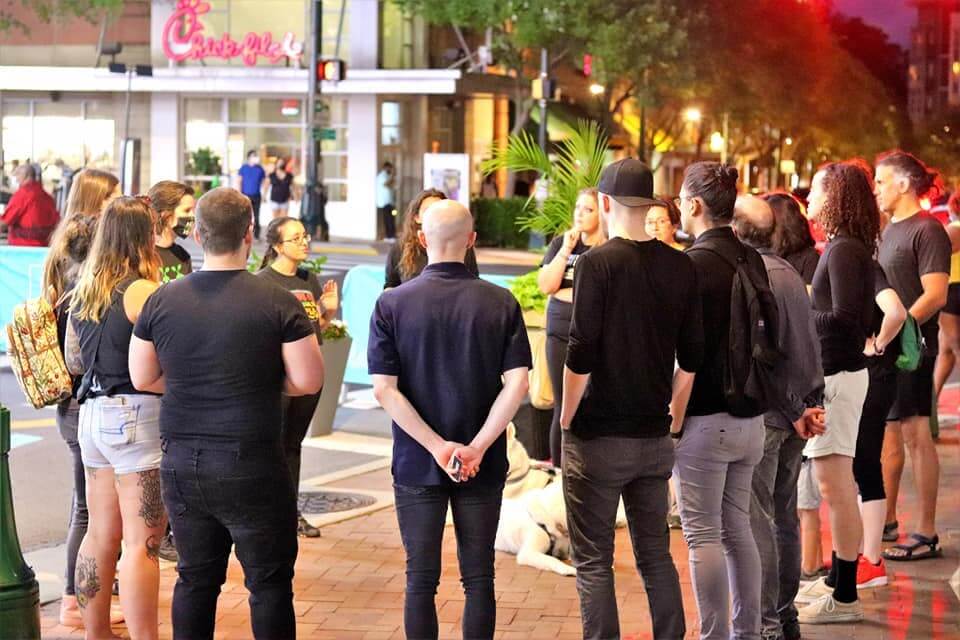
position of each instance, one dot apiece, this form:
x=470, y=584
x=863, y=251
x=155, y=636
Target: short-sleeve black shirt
x=175, y=262
x=218, y=336
x=305, y=287
x=448, y=336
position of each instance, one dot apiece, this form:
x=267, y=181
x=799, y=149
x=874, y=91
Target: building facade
x=934, y=70
x=229, y=76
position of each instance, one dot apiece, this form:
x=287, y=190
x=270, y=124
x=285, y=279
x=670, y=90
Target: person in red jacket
x=31, y=214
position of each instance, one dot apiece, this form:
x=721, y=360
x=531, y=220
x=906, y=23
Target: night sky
x=895, y=17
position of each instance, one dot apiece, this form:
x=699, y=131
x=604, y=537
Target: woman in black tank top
x=119, y=430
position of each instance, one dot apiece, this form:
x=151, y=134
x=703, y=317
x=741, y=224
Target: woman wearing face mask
x=556, y=280
x=288, y=246
x=173, y=202
x=281, y=183
x=407, y=258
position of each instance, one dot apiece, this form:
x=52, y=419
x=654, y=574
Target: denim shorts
x=121, y=431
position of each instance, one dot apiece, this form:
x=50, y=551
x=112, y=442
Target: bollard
x=19, y=591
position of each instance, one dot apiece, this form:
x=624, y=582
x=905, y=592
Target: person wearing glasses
x=288, y=247
x=663, y=222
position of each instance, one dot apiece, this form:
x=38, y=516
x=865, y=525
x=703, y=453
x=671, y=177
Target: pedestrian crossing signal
x=331, y=70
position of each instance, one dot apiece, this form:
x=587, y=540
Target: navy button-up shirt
x=448, y=336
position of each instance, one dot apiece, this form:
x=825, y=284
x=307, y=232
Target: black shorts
x=953, y=300
x=914, y=392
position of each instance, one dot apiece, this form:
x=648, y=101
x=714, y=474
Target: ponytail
x=268, y=257
x=273, y=238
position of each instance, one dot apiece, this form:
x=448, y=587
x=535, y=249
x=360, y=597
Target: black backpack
x=748, y=383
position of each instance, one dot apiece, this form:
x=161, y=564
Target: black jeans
x=556, y=358
x=596, y=474
x=255, y=202
x=297, y=413
x=68, y=419
x=421, y=512
x=388, y=221
x=223, y=494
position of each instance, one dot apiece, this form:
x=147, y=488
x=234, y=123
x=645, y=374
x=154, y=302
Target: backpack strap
x=733, y=265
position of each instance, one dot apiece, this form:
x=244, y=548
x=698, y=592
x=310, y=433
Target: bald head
x=446, y=231
x=753, y=221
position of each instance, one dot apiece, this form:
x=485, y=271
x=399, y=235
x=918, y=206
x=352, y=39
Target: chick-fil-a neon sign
x=184, y=39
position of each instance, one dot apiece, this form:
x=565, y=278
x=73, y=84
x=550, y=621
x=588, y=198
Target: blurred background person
x=663, y=223
x=792, y=239
x=31, y=215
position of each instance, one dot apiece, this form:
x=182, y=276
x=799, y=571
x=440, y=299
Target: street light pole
x=313, y=195
x=544, y=72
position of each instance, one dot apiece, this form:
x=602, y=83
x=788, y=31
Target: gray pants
x=596, y=473
x=715, y=461
x=776, y=527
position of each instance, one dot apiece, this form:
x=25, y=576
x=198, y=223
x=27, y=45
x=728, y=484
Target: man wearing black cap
x=635, y=312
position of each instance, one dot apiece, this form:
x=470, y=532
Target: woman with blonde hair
x=407, y=258
x=556, y=280
x=119, y=425
x=90, y=193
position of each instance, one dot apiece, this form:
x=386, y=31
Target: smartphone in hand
x=456, y=468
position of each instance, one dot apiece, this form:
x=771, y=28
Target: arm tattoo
x=151, y=504
x=88, y=583
x=153, y=548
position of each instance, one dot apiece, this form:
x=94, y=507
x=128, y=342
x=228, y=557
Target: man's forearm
x=928, y=304
x=501, y=413
x=402, y=412
x=680, y=398
x=574, y=386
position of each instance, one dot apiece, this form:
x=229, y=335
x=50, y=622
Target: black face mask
x=184, y=226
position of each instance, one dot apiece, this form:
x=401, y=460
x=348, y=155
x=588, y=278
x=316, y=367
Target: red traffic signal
x=331, y=70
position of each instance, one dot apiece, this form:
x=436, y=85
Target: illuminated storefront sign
x=184, y=38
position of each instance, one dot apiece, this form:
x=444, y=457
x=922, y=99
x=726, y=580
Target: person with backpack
x=841, y=201
x=722, y=434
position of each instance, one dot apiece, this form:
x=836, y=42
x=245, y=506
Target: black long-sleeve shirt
x=635, y=310
x=843, y=304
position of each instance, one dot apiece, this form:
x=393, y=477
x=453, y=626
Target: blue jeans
x=421, y=513
x=219, y=495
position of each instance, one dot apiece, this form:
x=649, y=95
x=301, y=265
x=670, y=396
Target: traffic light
x=331, y=70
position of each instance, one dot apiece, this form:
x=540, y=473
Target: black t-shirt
x=554, y=248
x=910, y=249
x=280, y=187
x=448, y=336
x=714, y=282
x=635, y=310
x=843, y=301
x=805, y=262
x=176, y=262
x=394, y=277
x=305, y=287
x=218, y=336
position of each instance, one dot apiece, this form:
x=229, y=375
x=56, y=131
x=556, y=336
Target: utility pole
x=544, y=72
x=314, y=200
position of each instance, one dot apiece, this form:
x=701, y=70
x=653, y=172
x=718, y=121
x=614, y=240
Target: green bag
x=911, y=346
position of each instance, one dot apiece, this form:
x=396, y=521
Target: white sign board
x=450, y=173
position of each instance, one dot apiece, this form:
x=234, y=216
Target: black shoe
x=168, y=551
x=791, y=630
x=305, y=529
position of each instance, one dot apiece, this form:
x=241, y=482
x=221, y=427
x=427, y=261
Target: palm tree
x=577, y=165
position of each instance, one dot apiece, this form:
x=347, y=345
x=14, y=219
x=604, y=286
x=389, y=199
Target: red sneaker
x=871, y=575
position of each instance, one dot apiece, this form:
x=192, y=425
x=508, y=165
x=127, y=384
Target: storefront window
x=333, y=10
x=402, y=38
x=389, y=123
x=333, y=152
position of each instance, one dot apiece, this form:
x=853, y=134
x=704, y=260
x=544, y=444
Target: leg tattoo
x=151, y=504
x=153, y=548
x=88, y=583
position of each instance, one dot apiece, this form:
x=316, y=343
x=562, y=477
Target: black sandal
x=909, y=552
x=891, y=531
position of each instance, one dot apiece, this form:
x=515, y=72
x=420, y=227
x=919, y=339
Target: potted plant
x=336, y=350
x=533, y=301
x=533, y=420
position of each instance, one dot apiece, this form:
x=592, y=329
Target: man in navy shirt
x=252, y=176
x=449, y=357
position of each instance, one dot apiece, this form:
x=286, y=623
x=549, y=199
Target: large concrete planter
x=335, y=354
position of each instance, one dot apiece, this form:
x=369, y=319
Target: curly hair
x=850, y=207
x=792, y=231
x=409, y=242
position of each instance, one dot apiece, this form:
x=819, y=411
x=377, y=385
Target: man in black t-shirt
x=635, y=312
x=225, y=344
x=915, y=256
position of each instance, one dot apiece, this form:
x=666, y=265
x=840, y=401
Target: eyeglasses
x=298, y=240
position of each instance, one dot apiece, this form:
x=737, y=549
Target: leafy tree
x=48, y=10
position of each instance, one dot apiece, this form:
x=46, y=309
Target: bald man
x=797, y=416
x=449, y=357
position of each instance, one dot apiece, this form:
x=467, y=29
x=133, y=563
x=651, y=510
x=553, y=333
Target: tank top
x=105, y=346
x=955, y=264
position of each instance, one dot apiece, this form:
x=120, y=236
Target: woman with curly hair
x=407, y=258
x=792, y=239
x=841, y=199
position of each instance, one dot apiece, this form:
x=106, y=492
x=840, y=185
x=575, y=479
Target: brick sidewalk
x=349, y=584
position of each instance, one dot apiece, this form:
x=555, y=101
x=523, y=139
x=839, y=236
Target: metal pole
x=544, y=72
x=726, y=137
x=126, y=132
x=312, y=196
x=19, y=591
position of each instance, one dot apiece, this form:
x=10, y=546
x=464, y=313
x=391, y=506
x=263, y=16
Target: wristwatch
x=676, y=435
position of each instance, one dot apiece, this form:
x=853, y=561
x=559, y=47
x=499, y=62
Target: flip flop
x=910, y=550
x=891, y=531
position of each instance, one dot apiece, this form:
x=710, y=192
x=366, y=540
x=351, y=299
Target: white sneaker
x=813, y=591
x=826, y=610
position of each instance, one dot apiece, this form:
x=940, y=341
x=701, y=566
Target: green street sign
x=324, y=133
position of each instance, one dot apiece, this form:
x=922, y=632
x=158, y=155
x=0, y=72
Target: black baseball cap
x=629, y=182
